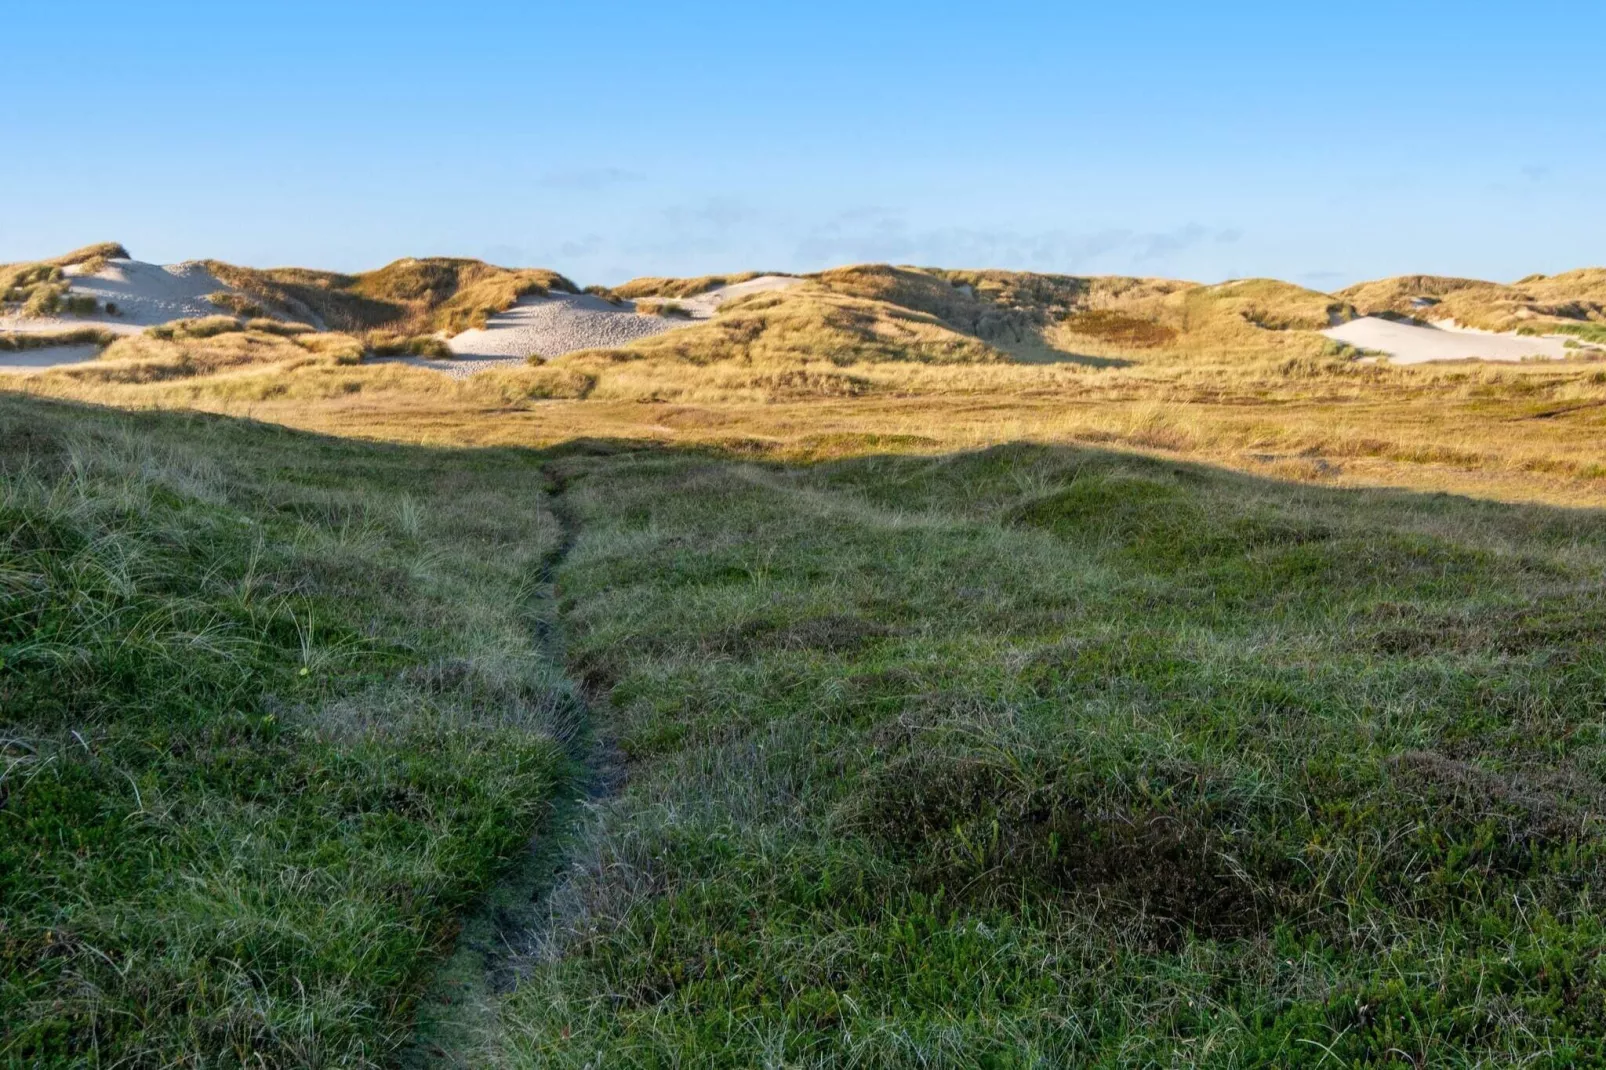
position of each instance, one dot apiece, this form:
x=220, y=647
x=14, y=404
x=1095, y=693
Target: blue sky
x=1321, y=144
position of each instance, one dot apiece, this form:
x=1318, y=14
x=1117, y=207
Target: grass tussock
x=607, y=293
x=667, y=309
x=18, y=341
x=428, y=345
x=270, y=718
x=237, y=304
x=1118, y=329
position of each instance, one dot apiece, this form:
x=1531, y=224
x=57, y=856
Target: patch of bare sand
x=34, y=360
x=567, y=323
x=1409, y=343
x=143, y=294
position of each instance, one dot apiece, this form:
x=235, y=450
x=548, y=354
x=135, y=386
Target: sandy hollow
x=1409, y=343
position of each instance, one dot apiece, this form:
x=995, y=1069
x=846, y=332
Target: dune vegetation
x=407, y=298
x=37, y=288
x=197, y=349
x=1538, y=300
x=670, y=288
x=17, y=341
x=1234, y=374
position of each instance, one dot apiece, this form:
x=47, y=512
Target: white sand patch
x=1409, y=343
x=558, y=324
x=145, y=295
x=567, y=323
x=763, y=284
x=33, y=360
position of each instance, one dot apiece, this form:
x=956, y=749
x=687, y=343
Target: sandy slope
x=561, y=323
x=1407, y=343
x=31, y=360
x=145, y=294
x=565, y=323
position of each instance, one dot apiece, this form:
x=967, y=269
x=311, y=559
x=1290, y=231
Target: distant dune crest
x=464, y=316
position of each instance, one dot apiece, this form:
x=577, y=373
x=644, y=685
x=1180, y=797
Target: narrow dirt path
x=457, y=1013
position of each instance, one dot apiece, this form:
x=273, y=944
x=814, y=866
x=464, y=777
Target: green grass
x=271, y=715
x=1586, y=332
x=1041, y=757
x=427, y=345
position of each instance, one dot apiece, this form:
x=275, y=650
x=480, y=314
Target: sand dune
x=566, y=323
x=1408, y=343
x=561, y=323
x=145, y=294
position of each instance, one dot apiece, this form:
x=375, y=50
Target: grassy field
x=1038, y=757
x=271, y=717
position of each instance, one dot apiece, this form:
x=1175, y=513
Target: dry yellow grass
x=652, y=286
x=808, y=323
x=1529, y=432
x=200, y=350
x=407, y=298
x=872, y=358
x=1538, y=299
x=38, y=286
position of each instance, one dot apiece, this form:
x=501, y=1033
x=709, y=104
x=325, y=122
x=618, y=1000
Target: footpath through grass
x=1039, y=757
x=271, y=715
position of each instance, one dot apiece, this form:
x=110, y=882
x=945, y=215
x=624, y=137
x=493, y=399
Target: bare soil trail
x=457, y=1014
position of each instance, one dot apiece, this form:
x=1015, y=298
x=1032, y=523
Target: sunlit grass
x=270, y=717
